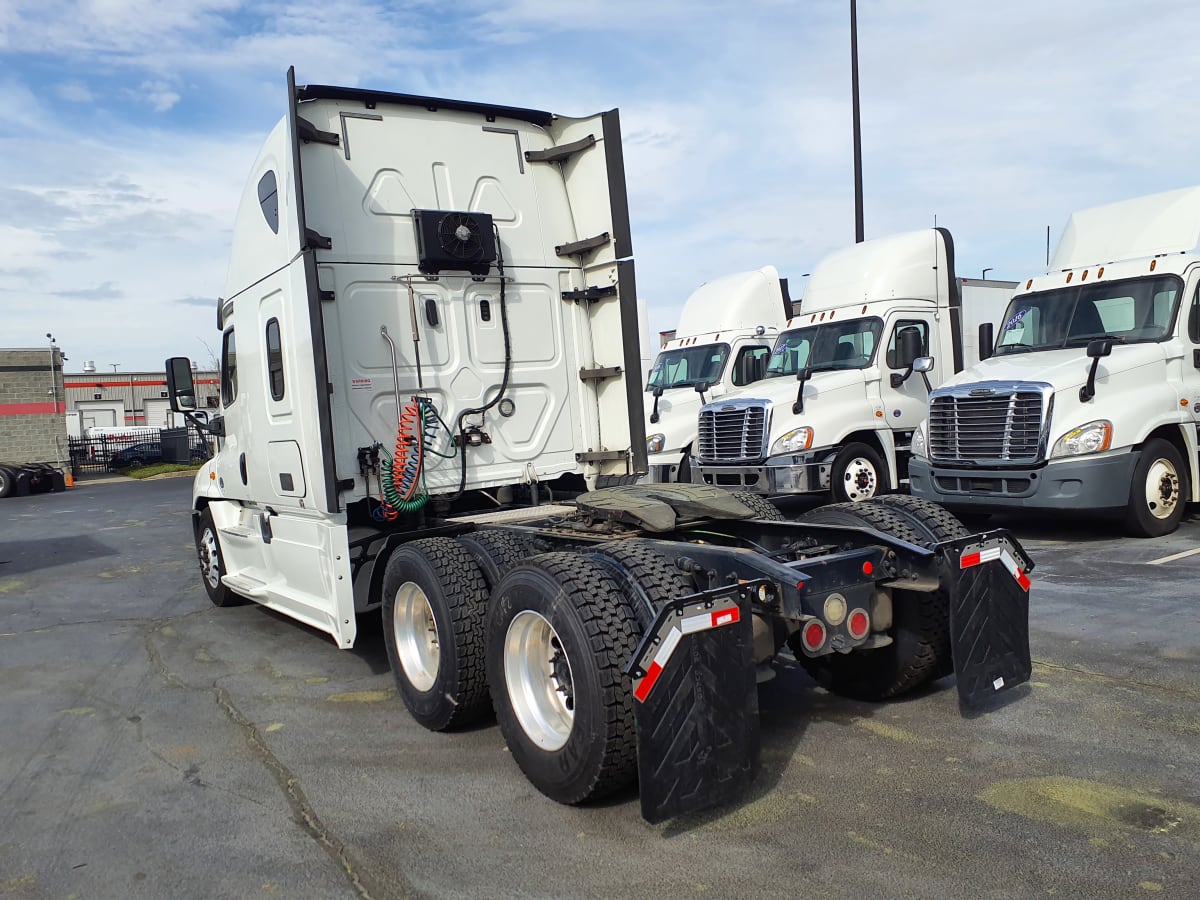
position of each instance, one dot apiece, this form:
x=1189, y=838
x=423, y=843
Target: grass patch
x=159, y=469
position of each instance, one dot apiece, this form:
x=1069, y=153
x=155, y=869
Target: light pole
x=985, y=271
x=858, y=191
x=53, y=380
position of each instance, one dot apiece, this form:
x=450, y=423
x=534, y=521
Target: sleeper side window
x=274, y=360
x=228, y=369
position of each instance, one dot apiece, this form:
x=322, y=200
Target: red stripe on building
x=89, y=385
x=31, y=409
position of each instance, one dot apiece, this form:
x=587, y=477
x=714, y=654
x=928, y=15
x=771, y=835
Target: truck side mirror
x=986, y=340
x=908, y=347
x=701, y=388
x=923, y=364
x=180, y=388
x=658, y=390
x=1096, y=350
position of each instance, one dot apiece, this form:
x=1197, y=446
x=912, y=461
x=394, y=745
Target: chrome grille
x=1004, y=425
x=732, y=434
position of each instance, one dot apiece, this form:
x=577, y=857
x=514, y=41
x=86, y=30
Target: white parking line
x=1174, y=556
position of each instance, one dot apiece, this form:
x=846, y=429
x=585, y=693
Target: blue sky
x=130, y=125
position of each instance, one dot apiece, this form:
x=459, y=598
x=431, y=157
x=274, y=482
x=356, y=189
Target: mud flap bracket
x=989, y=615
x=696, y=703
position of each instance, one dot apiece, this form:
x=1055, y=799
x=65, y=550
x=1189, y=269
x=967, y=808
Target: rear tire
x=648, y=579
x=857, y=474
x=760, y=505
x=212, y=564
x=434, y=599
x=495, y=552
x=920, y=632
x=1159, y=491
x=6, y=481
x=559, y=635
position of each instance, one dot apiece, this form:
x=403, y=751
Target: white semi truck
x=722, y=343
x=430, y=371
x=1091, y=398
x=844, y=388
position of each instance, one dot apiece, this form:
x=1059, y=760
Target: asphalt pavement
x=152, y=745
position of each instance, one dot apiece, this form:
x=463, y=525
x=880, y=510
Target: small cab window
x=274, y=360
x=228, y=369
x=1193, y=322
x=750, y=365
x=920, y=326
x=268, y=200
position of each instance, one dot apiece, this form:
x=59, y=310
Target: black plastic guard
x=989, y=615
x=696, y=703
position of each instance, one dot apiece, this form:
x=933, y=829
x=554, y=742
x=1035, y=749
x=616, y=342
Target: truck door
x=904, y=406
x=1189, y=312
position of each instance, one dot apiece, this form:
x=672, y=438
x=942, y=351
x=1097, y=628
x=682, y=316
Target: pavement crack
x=1116, y=679
x=290, y=785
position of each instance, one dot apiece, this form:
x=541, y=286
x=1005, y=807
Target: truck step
x=246, y=585
x=239, y=531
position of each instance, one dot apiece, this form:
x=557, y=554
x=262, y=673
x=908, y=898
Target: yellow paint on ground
x=893, y=732
x=360, y=696
x=11, y=584
x=121, y=573
x=167, y=631
x=316, y=679
x=273, y=728
x=1040, y=684
x=201, y=655
x=20, y=883
x=182, y=752
x=1093, y=807
x=1150, y=886
x=80, y=711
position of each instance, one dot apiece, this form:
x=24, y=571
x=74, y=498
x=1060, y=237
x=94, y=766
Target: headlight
x=917, y=447
x=655, y=443
x=1093, y=437
x=793, y=442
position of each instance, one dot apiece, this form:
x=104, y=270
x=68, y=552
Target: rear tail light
x=813, y=635
x=858, y=624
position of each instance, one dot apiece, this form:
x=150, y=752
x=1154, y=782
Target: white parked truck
x=430, y=371
x=722, y=343
x=844, y=388
x=1091, y=399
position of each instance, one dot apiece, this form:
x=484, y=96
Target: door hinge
x=311, y=134
x=584, y=245
x=555, y=154
x=596, y=292
x=599, y=374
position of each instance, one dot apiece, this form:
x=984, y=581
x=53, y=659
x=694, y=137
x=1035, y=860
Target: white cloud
x=998, y=121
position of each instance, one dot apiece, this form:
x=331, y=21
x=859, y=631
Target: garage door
x=156, y=413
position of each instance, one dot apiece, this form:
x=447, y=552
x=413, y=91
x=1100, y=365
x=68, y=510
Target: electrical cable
x=479, y=410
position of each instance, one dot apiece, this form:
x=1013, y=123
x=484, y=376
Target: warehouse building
x=32, y=426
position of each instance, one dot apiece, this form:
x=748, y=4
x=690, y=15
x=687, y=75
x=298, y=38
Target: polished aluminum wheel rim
x=210, y=558
x=415, y=630
x=538, y=676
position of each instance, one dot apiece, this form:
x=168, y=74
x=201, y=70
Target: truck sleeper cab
x=1089, y=400
x=427, y=411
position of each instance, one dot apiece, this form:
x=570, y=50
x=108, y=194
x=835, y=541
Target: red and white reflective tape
x=687, y=625
x=979, y=557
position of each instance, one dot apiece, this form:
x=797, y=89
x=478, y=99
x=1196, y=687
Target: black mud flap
x=696, y=703
x=989, y=615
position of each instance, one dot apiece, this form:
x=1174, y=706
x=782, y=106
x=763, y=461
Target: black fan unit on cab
x=458, y=241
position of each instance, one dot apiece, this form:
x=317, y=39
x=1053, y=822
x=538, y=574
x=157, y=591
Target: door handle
x=242, y=467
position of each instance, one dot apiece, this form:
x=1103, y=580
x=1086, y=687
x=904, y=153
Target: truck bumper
x=1071, y=484
x=662, y=468
x=799, y=474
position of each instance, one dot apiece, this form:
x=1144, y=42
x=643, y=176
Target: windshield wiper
x=1014, y=348
x=1081, y=339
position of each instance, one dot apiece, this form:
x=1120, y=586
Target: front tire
x=1158, y=492
x=212, y=563
x=559, y=635
x=857, y=474
x=434, y=599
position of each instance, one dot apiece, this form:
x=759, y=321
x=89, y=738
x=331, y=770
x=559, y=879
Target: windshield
x=688, y=366
x=831, y=345
x=1133, y=311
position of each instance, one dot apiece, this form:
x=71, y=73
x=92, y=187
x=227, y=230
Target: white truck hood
x=678, y=411
x=1061, y=369
x=821, y=393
